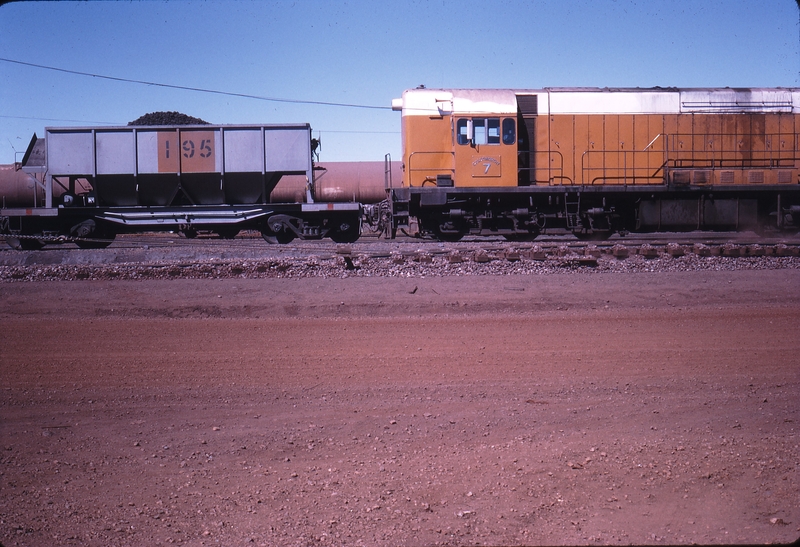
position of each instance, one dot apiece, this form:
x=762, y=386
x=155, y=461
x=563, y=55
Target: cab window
x=486, y=131
x=509, y=131
x=479, y=129
x=461, y=131
x=493, y=130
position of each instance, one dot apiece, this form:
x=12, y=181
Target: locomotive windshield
x=486, y=131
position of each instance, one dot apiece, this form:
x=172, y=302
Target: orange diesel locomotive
x=598, y=161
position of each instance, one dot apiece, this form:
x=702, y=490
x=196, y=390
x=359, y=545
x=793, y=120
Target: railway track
x=167, y=256
x=373, y=245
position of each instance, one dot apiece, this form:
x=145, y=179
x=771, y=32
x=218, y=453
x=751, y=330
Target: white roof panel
x=438, y=102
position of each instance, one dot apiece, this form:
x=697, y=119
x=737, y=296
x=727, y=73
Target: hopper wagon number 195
x=91, y=183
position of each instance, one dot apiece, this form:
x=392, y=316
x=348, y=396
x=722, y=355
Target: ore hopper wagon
x=89, y=184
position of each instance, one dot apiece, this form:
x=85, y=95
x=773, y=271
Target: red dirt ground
x=561, y=409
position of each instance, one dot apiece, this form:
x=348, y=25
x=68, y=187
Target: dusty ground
x=480, y=410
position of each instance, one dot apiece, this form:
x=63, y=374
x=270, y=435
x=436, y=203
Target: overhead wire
x=197, y=89
x=55, y=120
x=355, y=132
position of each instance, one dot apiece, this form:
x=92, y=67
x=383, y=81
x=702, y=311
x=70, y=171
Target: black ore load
x=167, y=118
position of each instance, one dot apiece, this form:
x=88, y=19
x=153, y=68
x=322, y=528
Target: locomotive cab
x=466, y=153
x=464, y=140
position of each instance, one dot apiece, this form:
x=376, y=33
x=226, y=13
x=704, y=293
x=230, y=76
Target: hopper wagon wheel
x=228, y=232
x=269, y=237
x=31, y=245
x=99, y=237
x=282, y=237
x=97, y=242
x=93, y=234
x=346, y=232
x=24, y=243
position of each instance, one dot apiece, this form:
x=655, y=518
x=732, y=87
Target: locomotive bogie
x=595, y=212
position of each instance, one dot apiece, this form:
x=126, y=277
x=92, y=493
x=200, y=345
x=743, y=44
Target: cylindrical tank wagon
x=20, y=189
x=359, y=181
x=25, y=187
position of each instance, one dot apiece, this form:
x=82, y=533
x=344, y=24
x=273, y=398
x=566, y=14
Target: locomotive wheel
x=521, y=237
x=447, y=231
x=449, y=235
x=593, y=236
x=770, y=230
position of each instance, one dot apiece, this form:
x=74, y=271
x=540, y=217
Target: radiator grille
x=681, y=177
x=726, y=177
x=528, y=105
x=755, y=177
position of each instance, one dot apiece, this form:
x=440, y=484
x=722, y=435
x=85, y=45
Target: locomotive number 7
x=488, y=165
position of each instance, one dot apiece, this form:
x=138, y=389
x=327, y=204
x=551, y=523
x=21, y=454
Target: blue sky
x=364, y=52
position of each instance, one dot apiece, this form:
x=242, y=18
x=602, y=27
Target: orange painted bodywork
x=646, y=148
x=611, y=149
x=428, y=146
x=196, y=153
x=431, y=149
